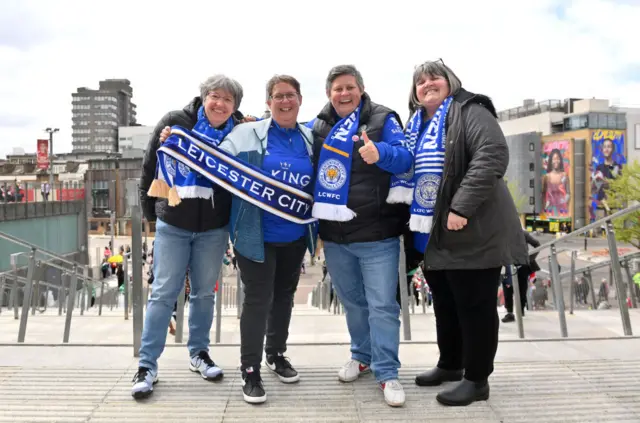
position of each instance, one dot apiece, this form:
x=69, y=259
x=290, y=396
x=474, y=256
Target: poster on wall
x=607, y=161
x=42, y=155
x=556, y=179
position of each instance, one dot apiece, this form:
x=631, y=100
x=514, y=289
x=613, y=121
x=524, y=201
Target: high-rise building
x=97, y=114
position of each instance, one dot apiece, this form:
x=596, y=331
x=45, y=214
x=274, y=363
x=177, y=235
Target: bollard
x=617, y=277
x=404, y=297
x=557, y=288
x=137, y=268
x=125, y=270
x=22, y=330
x=73, y=285
x=517, y=304
x=218, y=305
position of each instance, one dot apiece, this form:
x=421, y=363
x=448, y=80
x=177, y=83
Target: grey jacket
x=476, y=160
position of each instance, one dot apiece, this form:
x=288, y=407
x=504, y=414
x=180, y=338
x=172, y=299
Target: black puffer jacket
x=476, y=160
x=192, y=214
x=369, y=185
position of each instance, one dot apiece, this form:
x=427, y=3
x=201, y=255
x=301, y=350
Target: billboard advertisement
x=607, y=161
x=556, y=179
x=42, y=155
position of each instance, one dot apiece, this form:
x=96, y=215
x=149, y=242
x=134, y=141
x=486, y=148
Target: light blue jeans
x=174, y=251
x=365, y=276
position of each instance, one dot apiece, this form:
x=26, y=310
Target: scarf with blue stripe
x=174, y=180
x=334, y=171
x=199, y=156
x=420, y=186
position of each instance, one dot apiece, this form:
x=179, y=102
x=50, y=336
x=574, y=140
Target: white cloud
x=509, y=50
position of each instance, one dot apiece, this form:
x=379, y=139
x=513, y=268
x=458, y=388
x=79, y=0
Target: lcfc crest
x=332, y=175
x=426, y=190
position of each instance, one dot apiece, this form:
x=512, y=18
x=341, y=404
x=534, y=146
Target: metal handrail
x=596, y=266
x=595, y=225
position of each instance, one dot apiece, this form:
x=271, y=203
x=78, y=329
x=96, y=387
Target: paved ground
x=569, y=381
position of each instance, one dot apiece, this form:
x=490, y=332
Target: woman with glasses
x=464, y=221
x=358, y=147
x=269, y=248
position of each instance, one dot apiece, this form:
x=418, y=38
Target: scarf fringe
x=421, y=224
x=332, y=212
x=400, y=195
x=174, y=198
x=194, y=191
x=159, y=188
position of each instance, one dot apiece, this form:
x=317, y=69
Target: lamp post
x=51, y=131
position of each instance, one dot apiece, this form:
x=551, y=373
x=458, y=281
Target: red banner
x=43, y=154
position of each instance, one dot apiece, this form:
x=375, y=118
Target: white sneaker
x=352, y=371
x=143, y=382
x=203, y=364
x=393, y=393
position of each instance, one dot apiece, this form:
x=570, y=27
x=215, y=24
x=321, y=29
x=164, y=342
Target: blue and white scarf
x=428, y=166
x=334, y=171
x=174, y=180
x=191, y=150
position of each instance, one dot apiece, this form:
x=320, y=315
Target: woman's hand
x=455, y=222
x=165, y=134
x=248, y=118
x=369, y=151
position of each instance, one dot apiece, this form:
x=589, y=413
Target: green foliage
x=623, y=192
x=519, y=199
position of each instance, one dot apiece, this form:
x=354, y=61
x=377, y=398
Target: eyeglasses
x=216, y=97
x=433, y=61
x=281, y=97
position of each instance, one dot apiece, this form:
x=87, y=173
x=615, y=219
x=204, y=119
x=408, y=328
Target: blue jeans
x=174, y=251
x=365, y=276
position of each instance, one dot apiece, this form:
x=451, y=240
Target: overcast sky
x=507, y=49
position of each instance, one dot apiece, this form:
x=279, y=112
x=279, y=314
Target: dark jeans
x=523, y=284
x=269, y=289
x=465, y=306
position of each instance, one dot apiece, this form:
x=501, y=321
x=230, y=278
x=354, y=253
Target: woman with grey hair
x=191, y=234
x=358, y=146
x=464, y=221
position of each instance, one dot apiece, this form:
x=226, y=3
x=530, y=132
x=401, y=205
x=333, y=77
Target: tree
x=622, y=192
x=519, y=199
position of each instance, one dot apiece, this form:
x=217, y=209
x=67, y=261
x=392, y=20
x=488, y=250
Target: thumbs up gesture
x=369, y=151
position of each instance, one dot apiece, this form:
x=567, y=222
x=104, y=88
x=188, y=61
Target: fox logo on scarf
x=214, y=165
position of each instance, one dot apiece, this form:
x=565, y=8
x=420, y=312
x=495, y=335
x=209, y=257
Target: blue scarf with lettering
x=174, y=180
x=250, y=183
x=334, y=171
x=428, y=166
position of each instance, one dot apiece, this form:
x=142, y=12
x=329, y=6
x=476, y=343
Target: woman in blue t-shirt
x=269, y=248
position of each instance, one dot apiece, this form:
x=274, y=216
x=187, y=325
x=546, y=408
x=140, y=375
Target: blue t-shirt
x=419, y=239
x=286, y=159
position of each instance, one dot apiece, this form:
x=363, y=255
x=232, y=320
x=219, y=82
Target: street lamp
x=51, y=131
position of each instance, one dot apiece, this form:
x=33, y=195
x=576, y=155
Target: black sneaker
x=143, y=382
x=252, y=388
x=280, y=365
x=508, y=318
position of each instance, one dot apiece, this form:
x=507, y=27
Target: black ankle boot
x=436, y=376
x=464, y=393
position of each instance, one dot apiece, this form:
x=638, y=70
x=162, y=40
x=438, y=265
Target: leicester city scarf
x=428, y=166
x=250, y=183
x=334, y=171
x=174, y=180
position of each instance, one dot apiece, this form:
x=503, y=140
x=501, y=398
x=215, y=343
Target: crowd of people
x=360, y=181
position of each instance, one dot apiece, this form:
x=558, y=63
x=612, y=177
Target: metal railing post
x=617, y=277
x=125, y=270
x=218, y=305
x=572, y=290
x=557, y=288
x=136, y=268
x=517, y=304
x=240, y=292
x=61, y=292
x=26, y=301
x=180, y=315
x=404, y=296
x=2, y=283
x=73, y=286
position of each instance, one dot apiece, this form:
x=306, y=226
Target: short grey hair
x=222, y=82
x=340, y=70
x=431, y=69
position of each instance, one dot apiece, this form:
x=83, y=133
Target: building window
x=532, y=146
x=532, y=183
x=532, y=201
x=532, y=167
x=572, y=123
